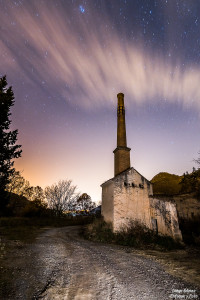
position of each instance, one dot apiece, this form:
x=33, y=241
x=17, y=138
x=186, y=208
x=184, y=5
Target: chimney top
x=120, y=95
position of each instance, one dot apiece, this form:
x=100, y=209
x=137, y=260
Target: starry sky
x=67, y=60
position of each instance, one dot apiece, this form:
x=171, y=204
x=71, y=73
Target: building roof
x=114, y=178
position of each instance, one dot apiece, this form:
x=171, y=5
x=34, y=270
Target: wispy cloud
x=88, y=63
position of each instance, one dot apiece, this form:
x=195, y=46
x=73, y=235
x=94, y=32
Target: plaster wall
x=131, y=199
x=165, y=214
x=107, y=206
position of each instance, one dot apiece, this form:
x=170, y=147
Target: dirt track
x=62, y=265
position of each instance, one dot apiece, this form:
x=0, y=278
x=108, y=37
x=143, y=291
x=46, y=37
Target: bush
x=134, y=235
x=99, y=231
x=190, y=229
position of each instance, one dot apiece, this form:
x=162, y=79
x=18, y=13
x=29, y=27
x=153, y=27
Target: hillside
x=166, y=184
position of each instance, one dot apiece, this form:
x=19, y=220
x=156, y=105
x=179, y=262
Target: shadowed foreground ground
x=59, y=264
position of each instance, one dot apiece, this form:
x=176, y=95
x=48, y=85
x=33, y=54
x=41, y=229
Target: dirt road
x=62, y=265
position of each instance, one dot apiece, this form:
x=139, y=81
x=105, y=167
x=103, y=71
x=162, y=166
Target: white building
x=129, y=196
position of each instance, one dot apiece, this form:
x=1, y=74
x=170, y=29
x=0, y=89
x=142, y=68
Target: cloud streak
x=87, y=62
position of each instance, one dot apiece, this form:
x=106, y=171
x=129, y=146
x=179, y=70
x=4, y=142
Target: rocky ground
x=60, y=264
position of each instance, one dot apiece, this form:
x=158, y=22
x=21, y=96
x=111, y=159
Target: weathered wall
x=165, y=214
x=187, y=206
x=131, y=199
x=129, y=196
x=107, y=206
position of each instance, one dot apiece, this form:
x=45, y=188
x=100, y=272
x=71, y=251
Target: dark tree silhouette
x=8, y=148
x=197, y=161
x=61, y=196
x=84, y=202
x=21, y=187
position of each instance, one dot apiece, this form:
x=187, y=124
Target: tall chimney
x=122, y=152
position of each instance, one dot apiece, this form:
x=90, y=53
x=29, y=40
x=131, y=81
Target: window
x=154, y=225
x=121, y=110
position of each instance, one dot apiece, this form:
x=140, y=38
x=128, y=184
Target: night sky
x=67, y=60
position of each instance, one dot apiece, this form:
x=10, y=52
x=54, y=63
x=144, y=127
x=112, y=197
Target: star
x=68, y=56
x=82, y=9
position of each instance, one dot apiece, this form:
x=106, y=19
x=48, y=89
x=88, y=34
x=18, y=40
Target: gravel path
x=61, y=265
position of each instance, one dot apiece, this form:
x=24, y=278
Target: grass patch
x=184, y=263
x=134, y=235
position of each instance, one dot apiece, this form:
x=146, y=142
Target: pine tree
x=8, y=148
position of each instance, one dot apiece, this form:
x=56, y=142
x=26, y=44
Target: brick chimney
x=122, y=152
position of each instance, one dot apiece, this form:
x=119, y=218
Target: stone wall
x=164, y=218
x=107, y=207
x=188, y=206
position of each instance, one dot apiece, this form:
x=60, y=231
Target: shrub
x=190, y=229
x=134, y=234
x=99, y=230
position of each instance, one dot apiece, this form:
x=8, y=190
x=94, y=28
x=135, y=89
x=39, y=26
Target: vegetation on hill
x=23, y=200
x=166, y=184
x=191, y=183
x=170, y=184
